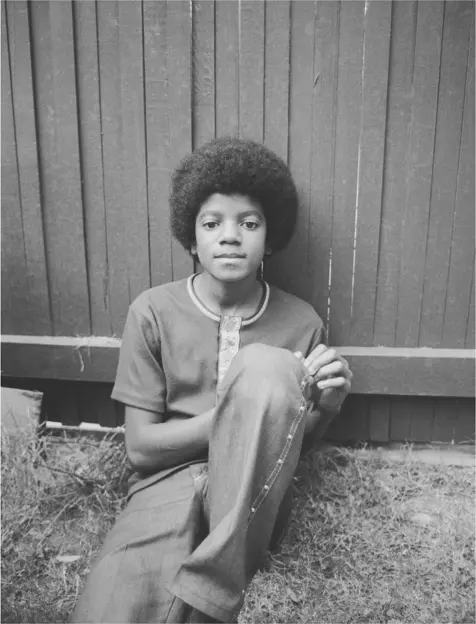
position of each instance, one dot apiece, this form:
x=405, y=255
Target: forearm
x=317, y=422
x=157, y=446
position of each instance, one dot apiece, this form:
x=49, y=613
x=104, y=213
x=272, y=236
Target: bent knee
x=261, y=357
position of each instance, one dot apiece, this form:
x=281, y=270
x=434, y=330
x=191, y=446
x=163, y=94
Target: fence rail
x=377, y=370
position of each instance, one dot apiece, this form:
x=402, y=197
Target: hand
x=332, y=376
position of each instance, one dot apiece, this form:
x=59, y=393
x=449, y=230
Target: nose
x=230, y=233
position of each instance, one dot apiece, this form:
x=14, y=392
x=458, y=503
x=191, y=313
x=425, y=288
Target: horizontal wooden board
x=415, y=372
x=73, y=359
x=377, y=370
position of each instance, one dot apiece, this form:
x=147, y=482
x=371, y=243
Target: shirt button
x=280, y=461
x=253, y=510
x=266, y=487
x=290, y=437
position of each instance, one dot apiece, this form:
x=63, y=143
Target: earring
x=261, y=270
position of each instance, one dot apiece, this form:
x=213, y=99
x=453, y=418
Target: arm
x=154, y=445
x=317, y=423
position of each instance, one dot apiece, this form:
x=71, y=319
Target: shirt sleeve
x=140, y=379
x=318, y=336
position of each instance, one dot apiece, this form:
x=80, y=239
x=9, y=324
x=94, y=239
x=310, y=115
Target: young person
x=222, y=378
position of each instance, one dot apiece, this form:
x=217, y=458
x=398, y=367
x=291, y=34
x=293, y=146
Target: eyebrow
x=218, y=213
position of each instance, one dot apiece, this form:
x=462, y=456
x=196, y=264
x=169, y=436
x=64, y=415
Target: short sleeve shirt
x=174, y=350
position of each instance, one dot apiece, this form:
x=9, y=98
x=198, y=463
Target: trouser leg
x=158, y=529
x=254, y=449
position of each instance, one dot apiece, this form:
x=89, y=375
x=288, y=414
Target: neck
x=225, y=296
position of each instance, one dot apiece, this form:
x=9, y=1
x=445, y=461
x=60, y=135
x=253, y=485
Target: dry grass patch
x=59, y=497
x=369, y=541
x=372, y=541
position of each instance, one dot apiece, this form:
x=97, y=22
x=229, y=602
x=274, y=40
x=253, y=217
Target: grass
x=372, y=541
x=369, y=541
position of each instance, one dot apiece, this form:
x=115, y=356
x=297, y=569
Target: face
x=230, y=233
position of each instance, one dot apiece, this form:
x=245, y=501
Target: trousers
x=185, y=548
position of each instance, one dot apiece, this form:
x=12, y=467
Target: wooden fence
x=371, y=104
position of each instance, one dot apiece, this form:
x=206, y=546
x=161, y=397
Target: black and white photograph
x=237, y=311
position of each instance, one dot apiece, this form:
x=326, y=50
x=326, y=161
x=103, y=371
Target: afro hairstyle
x=232, y=166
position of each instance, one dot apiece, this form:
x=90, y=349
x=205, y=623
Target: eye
x=250, y=225
x=210, y=225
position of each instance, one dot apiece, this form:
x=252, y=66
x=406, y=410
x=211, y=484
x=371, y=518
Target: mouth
x=231, y=256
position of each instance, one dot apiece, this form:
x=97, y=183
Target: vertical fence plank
x=349, y=98
x=88, y=402
x=251, y=70
x=60, y=402
x=464, y=429
x=326, y=55
x=400, y=419
x=402, y=52
x=419, y=170
x=95, y=404
x=15, y=304
x=203, y=76
x=456, y=29
x=203, y=63
x=90, y=127
x=462, y=247
x=227, y=88
x=276, y=93
x=290, y=269
x=179, y=37
x=446, y=419
x=423, y=412
x=134, y=183
x=469, y=342
x=354, y=424
x=36, y=284
x=455, y=421
x=370, y=168
x=118, y=288
x=379, y=418
x=158, y=140
x=125, y=184
x=55, y=82
x=276, y=76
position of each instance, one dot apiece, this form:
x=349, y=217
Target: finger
x=317, y=362
x=316, y=354
x=334, y=382
x=319, y=350
x=335, y=369
x=298, y=354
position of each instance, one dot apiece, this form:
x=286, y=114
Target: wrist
x=330, y=410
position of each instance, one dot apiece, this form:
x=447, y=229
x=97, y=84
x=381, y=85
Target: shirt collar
x=216, y=317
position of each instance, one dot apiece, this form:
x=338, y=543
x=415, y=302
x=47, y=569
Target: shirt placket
x=228, y=343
